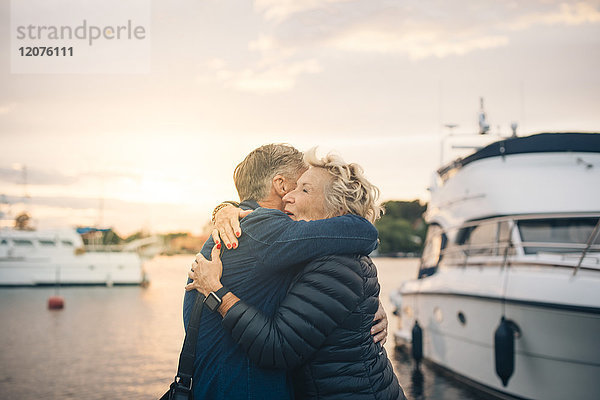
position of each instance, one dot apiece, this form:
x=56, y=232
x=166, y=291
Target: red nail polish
x=218, y=245
x=237, y=234
x=234, y=245
x=228, y=246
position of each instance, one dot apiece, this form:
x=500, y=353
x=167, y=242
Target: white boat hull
x=86, y=269
x=557, y=355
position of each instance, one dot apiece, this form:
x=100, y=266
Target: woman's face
x=307, y=201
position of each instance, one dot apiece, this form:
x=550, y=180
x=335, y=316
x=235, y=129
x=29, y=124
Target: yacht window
x=67, y=243
x=23, y=242
x=504, y=239
x=503, y=232
x=44, y=242
x=435, y=242
x=480, y=239
x=559, y=233
x=4, y=241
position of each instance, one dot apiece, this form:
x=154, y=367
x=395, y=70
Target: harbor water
x=124, y=342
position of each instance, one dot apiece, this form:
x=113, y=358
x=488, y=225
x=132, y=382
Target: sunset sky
x=373, y=80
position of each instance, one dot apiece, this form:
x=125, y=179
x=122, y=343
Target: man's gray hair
x=254, y=175
x=349, y=192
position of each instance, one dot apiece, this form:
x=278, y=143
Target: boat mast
x=484, y=126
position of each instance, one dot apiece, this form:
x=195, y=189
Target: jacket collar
x=249, y=204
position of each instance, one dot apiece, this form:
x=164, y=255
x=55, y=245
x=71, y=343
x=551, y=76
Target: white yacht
x=47, y=257
x=508, y=292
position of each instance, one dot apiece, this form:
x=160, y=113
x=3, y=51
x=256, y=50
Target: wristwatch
x=214, y=299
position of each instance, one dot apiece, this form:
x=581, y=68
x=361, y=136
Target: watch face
x=212, y=301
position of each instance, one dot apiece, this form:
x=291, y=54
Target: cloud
x=126, y=216
x=418, y=29
x=62, y=201
x=35, y=176
x=266, y=78
x=299, y=35
x=276, y=69
x=279, y=10
x=7, y=108
x=273, y=78
x=525, y=13
x=564, y=14
x=47, y=177
x=416, y=44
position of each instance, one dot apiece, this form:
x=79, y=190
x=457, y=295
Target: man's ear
x=279, y=184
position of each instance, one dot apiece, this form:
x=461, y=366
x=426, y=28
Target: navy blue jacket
x=322, y=331
x=271, y=251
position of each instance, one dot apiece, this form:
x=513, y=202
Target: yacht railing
x=508, y=249
x=526, y=217
x=591, y=239
x=491, y=249
x=105, y=248
x=576, y=247
x=498, y=248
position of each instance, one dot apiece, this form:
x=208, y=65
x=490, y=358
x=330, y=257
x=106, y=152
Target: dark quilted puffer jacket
x=321, y=331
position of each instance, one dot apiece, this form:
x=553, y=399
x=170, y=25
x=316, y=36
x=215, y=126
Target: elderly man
x=271, y=251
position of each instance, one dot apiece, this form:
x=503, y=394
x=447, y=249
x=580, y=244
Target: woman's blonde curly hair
x=349, y=192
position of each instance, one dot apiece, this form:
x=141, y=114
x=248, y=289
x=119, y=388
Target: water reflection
x=117, y=342
x=123, y=342
x=418, y=381
x=425, y=382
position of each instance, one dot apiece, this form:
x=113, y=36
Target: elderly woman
x=321, y=331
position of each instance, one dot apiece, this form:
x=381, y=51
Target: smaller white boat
x=48, y=257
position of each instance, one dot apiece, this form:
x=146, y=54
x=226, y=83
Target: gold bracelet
x=217, y=209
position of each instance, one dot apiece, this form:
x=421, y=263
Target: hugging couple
x=292, y=307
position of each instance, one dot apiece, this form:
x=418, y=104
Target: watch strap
x=222, y=292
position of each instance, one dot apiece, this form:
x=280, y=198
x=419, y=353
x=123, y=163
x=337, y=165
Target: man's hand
x=206, y=275
x=227, y=226
x=379, y=329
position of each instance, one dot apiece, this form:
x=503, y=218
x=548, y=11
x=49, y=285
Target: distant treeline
x=112, y=237
x=402, y=228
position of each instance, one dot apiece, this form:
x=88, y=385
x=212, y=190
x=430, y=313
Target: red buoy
x=56, y=303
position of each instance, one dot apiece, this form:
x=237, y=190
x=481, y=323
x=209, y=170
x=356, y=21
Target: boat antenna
x=3, y=200
x=484, y=126
x=23, y=169
x=25, y=191
x=513, y=127
x=451, y=128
